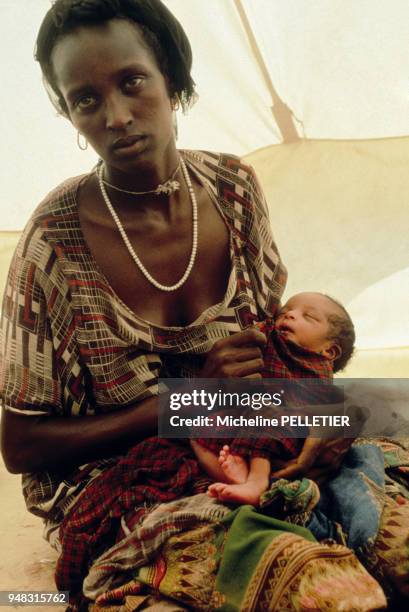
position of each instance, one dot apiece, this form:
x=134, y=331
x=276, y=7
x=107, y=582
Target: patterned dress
x=70, y=345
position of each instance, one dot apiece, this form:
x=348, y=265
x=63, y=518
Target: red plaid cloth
x=282, y=359
x=154, y=471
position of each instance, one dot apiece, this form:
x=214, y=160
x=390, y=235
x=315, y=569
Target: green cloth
x=249, y=534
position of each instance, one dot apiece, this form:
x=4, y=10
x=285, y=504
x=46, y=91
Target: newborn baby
x=312, y=337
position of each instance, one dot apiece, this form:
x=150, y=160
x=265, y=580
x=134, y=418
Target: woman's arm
x=43, y=385
x=41, y=443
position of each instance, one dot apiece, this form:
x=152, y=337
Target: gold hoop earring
x=80, y=144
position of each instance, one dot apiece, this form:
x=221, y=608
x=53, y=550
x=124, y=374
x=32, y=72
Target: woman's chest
x=163, y=253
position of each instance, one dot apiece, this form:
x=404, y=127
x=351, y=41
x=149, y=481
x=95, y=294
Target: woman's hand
x=237, y=356
x=318, y=459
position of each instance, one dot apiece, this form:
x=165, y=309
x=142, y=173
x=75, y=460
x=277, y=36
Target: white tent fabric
x=337, y=197
x=337, y=210
x=342, y=66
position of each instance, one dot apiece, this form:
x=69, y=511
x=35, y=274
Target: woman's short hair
x=161, y=31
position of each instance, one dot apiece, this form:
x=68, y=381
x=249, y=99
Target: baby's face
x=304, y=319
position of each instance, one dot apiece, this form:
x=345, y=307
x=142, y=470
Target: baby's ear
x=332, y=352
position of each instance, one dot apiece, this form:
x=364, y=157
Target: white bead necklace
x=129, y=246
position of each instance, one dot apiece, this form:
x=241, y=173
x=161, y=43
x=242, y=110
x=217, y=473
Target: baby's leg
x=208, y=461
x=248, y=492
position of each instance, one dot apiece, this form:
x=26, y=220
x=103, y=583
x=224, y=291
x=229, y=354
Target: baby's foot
x=234, y=467
x=216, y=488
x=246, y=493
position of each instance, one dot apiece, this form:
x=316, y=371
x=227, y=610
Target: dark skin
x=167, y=262
x=114, y=88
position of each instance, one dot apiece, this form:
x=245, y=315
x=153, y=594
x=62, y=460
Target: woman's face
x=115, y=93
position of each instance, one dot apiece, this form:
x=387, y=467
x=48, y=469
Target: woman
x=94, y=314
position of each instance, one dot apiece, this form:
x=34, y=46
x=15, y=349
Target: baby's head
x=319, y=323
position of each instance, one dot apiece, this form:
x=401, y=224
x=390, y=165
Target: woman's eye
x=86, y=103
x=133, y=83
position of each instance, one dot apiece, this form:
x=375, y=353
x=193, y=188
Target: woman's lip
x=127, y=147
x=128, y=141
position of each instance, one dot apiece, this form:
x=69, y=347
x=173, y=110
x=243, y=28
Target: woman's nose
x=118, y=114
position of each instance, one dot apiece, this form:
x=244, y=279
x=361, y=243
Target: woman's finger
x=242, y=368
x=290, y=471
x=256, y=375
x=238, y=362
x=248, y=337
x=320, y=474
x=242, y=348
x=307, y=457
x=246, y=353
x=310, y=451
x=317, y=460
x=295, y=470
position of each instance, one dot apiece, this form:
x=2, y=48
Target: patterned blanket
x=133, y=531
x=346, y=509
x=153, y=471
x=244, y=561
